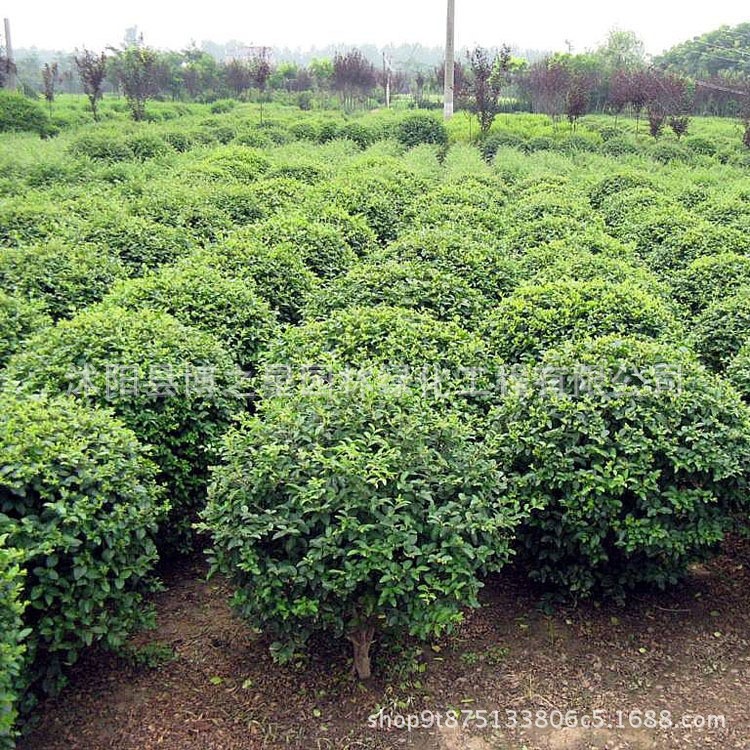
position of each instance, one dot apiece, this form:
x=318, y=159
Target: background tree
x=92, y=70
x=200, y=73
x=619, y=91
x=170, y=75
x=237, y=75
x=354, y=76
x=680, y=100
x=489, y=75
x=548, y=84
x=260, y=72
x=321, y=69
x=640, y=91
x=668, y=102
x=460, y=81
x=136, y=71
x=577, y=103
x=419, y=83
x=284, y=76
x=723, y=51
x=303, y=81
x=50, y=77
x=623, y=50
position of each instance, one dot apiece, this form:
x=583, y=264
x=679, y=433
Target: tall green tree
x=623, y=50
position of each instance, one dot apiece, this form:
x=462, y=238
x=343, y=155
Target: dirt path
x=211, y=684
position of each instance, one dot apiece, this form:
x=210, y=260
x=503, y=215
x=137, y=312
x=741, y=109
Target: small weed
x=151, y=656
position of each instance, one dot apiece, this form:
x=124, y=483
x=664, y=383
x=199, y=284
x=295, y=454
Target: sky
x=545, y=25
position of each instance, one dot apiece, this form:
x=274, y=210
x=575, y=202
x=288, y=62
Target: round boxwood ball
x=630, y=457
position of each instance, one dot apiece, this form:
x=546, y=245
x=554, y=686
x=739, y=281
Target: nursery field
x=351, y=431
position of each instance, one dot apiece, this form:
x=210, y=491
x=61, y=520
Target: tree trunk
x=361, y=641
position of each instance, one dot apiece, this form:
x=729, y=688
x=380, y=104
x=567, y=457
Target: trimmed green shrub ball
x=364, y=335
x=234, y=163
x=19, y=319
x=616, y=184
x=667, y=153
x=145, y=145
x=622, y=209
x=275, y=194
x=537, y=317
x=193, y=211
x=630, y=459
x=535, y=207
x=354, y=229
x=711, y=278
x=83, y=515
x=473, y=257
x=558, y=262
x=228, y=307
x=12, y=635
x=373, y=342
x=683, y=246
x=138, y=242
x=617, y=147
x=656, y=227
x=353, y=510
x=108, y=146
x=471, y=191
x=176, y=387
x=381, y=193
x=63, y=278
x=32, y=217
x=410, y=284
x=280, y=275
x=322, y=247
x=721, y=330
x=490, y=145
x=19, y=113
x=415, y=129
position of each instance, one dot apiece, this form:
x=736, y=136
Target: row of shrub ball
x=367, y=379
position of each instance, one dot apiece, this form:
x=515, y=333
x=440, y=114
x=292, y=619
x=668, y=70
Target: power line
x=716, y=87
x=724, y=49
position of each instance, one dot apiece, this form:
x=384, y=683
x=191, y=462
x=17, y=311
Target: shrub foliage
x=348, y=510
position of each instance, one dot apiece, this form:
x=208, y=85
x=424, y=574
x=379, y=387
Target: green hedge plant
x=711, y=278
x=279, y=273
x=12, y=636
x=138, y=242
x=322, y=247
x=176, y=387
x=721, y=330
x=228, y=307
x=630, y=458
x=439, y=359
x=355, y=510
x=537, y=317
x=474, y=257
x=63, y=278
x=409, y=284
x=83, y=514
x=19, y=318
x=419, y=128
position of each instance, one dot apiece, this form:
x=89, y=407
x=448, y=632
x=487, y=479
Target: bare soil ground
x=213, y=686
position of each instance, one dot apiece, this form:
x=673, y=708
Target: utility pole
x=387, y=79
x=450, y=56
x=10, y=78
